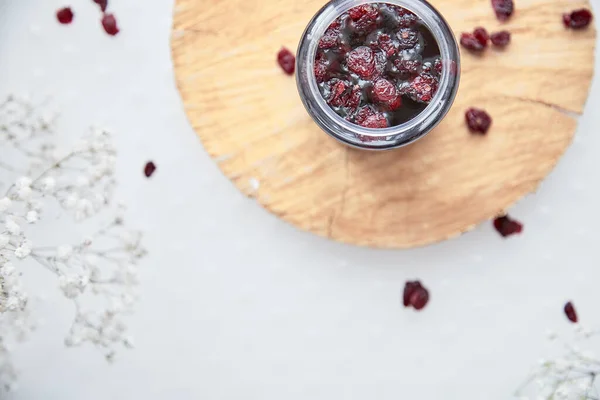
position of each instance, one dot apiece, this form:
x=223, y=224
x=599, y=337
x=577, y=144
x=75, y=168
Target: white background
x=237, y=304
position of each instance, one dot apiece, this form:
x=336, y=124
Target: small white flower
x=12, y=227
x=87, y=241
x=24, y=193
x=72, y=285
x=64, y=252
x=85, y=208
x=35, y=205
x=4, y=204
x=82, y=181
x=4, y=239
x=48, y=184
x=23, y=182
x=23, y=250
x=71, y=201
x=32, y=217
x=7, y=269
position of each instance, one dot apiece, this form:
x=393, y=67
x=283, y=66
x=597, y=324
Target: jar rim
x=381, y=138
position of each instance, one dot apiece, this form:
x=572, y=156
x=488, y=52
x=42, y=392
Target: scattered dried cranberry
x=415, y=295
x=286, y=60
x=386, y=44
x=570, y=312
x=481, y=35
x=384, y=91
x=331, y=37
x=577, y=19
x=506, y=226
x=102, y=3
x=149, y=169
x=361, y=61
x=364, y=17
x=478, y=120
x=422, y=88
x=375, y=121
x=362, y=114
x=340, y=93
x=407, y=68
x=500, y=39
x=470, y=42
x=503, y=9
x=65, y=15
x=407, y=38
x=405, y=17
x=109, y=23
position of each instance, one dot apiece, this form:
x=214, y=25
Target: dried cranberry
x=500, y=39
x=423, y=88
x=375, y=121
x=415, y=295
x=384, y=91
x=286, y=60
x=407, y=68
x=470, y=42
x=149, y=169
x=65, y=15
x=404, y=17
x=354, y=98
x=481, y=35
x=109, y=23
x=362, y=114
x=438, y=66
x=577, y=19
x=478, y=120
x=364, y=17
x=102, y=3
x=340, y=92
x=407, y=38
x=321, y=67
x=386, y=44
x=507, y=226
x=503, y=8
x=331, y=37
x=570, y=312
x=361, y=61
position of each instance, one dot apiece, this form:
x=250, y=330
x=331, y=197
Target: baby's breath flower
x=32, y=216
x=12, y=227
x=4, y=204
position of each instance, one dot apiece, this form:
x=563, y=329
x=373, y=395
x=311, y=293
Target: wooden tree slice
x=249, y=116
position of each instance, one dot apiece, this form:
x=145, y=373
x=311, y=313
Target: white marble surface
x=239, y=305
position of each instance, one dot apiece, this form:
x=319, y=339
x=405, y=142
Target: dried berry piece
x=570, y=312
x=507, y=226
x=362, y=114
x=478, y=120
x=331, y=37
x=384, y=91
x=361, y=61
x=65, y=15
x=109, y=23
x=415, y=295
x=404, y=17
x=438, y=66
x=321, y=67
x=354, y=99
x=500, y=39
x=102, y=4
x=422, y=88
x=376, y=121
x=149, y=169
x=503, y=8
x=286, y=60
x=386, y=44
x=407, y=68
x=481, y=35
x=470, y=42
x=364, y=17
x=577, y=19
x=407, y=38
x=340, y=92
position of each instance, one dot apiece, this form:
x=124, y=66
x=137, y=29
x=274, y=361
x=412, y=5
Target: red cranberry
x=331, y=37
x=102, y=3
x=109, y=22
x=577, y=19
x=354, y=99
x=438, y=66
x=286, y=60
x=507, y=226
x=321, y=68
x=570, y=312
x=65, y=15
x=404, y=17
x=470, y=42
x=481, y=35
x=340, y=92
x=407, y=68
x=364, y=17
x=503, y=8
x=415, y=295
x=408, y=38
x=361, y=61
x=375, y=121
x=384, y=91
x=423, y=88
x=500, y=39
x=149, y=169
x=478, y=120
x=386, y=44
x=362, y=114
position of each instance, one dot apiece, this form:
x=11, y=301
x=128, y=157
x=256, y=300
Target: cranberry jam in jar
x=377, y=75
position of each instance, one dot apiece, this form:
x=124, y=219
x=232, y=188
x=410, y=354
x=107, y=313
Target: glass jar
x=382, y=138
